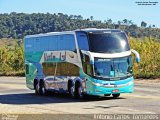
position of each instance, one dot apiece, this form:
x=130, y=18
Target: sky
x=99, y=9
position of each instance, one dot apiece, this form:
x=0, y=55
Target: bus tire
x=42, y=89
x=78, y=91
x=36, y=87
x=116, y=95
x=71, y=89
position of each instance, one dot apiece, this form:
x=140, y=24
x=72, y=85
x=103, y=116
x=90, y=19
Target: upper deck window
x=50, y=43
x=108, y=42
x=82, y=41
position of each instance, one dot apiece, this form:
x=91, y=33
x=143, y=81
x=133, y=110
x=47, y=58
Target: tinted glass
x=62, y=69
x=87, y=67
x=67, y=69
x=50, y=43
x=111, y=42
x=82, y=41
x=66, y=42
x=49, y=68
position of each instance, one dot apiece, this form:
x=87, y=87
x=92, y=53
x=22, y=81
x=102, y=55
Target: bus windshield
x=113, y=68
x=108, y=42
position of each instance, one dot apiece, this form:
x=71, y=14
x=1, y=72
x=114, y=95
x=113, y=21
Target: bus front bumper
x=98, y=89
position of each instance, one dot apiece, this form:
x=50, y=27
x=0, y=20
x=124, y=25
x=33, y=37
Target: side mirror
x=137, y=55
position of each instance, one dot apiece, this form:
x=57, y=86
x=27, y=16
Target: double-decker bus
x=87, y=61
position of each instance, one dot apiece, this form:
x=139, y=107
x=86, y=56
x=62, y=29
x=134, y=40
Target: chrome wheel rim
x=37, y=87
x=80, y=91
x=43, y=90
x=72, y=91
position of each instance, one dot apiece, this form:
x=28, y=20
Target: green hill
x=17, y=25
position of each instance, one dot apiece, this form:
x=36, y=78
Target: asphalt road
x=16, y=98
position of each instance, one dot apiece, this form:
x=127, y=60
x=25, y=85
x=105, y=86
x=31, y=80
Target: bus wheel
x=37, y=88
x=79, y=91
x=116, y=95
x=42, y=89
x=71, y=91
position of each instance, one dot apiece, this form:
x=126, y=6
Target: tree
x=109, y=21
x=119, y=22
x=125, y=21
x=143, y=24
x=153, y=26
x=91, y=17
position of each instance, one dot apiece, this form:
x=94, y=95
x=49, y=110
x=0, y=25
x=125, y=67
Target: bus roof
x=72, y=32
x=98, y=30
x=49, y=34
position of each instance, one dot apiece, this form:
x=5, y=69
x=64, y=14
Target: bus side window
x=49, y=68
x=82, y=41
x=84, y=67
x=27, y=68
x=87, y=67
x=67, y=69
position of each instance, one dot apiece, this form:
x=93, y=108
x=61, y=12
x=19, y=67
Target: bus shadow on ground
x=31, y=98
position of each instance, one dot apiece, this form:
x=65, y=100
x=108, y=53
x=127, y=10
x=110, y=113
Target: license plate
x=114, y=91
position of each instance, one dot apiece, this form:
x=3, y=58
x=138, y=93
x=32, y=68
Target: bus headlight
x=97, y=84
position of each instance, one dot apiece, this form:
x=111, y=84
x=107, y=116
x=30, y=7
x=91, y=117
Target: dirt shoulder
x=148, y=81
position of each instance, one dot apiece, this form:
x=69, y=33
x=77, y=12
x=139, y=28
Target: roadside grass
x=13, y=73
x=149, y=50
